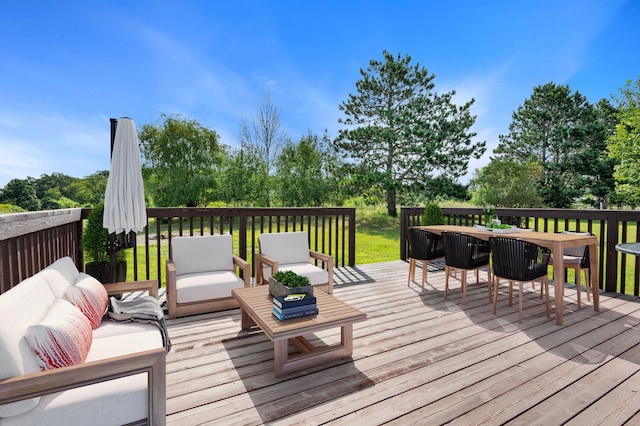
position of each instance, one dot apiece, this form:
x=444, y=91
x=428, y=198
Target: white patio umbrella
x=124, y=206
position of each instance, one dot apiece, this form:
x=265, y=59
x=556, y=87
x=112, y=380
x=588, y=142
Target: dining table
x=557, y=242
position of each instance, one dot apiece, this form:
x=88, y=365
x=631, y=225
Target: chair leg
x=520, y=301
x=425, y=267
x=412, y=271
x=545, y=280
x=587, y=280
x=447, y=271
x=510, y=293
x=464, y=286
x=496, y=282
x=578, y=291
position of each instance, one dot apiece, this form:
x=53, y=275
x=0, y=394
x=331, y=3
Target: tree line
x=400, y=142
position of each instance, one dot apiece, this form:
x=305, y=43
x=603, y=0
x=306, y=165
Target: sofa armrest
x=245, y=269
x=152, y=362
x=149, y=285
x=172, y=291
x=261, y=261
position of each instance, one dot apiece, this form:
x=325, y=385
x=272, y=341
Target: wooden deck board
x=418, y=359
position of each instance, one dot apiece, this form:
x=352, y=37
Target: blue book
x=291, y=300
x=282, y=317
x=295, y=309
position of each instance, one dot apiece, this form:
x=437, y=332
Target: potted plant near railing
x=288, y=282
x=95, y=240
x=432, y=215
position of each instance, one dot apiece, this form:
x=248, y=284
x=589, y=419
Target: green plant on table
x=291, y=279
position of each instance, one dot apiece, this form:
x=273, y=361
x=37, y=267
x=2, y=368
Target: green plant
x=291, y=279
x=95, y=239
x=432, y=215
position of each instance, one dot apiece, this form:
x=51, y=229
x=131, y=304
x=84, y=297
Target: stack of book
x=294, y=306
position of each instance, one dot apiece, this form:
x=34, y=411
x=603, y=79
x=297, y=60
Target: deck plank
x=418, y=359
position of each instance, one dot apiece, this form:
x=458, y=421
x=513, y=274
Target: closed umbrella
x=124, y=207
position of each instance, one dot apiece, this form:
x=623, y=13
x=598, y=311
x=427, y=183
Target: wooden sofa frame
x=152, y=362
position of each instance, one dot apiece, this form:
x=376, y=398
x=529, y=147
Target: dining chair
x=518, y=260
x=425, y=247
x=577, y=258
x=464, y=252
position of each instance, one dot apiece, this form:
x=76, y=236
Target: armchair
x=201, y=272
x=289, y=251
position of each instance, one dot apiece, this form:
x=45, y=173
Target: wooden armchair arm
x=245, y=268
x=171, y=292
x=328, y=261
x=262, y=260
x=123, y=287
x=41, y=383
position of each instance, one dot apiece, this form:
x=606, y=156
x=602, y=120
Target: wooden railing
x=31, y=241
x=618, y=272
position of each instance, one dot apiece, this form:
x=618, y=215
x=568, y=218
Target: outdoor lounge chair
x=201, y=272
x=289, y=251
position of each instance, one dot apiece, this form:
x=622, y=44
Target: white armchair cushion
x=316, y=275
x=206, y=285
x=285, y=247
x=202, y=254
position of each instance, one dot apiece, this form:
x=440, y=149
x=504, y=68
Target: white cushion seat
x=206, y=285
x=316, y=275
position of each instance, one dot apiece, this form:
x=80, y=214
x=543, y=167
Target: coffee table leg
x=246, y=322
x=347, y=338
x=280, y=355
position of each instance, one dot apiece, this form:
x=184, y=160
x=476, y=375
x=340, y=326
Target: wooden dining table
x=557, y=242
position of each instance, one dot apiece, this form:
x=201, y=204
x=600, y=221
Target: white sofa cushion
x=316, y=275
x=62, y=338
x=285, y=247
x=60, y=275
x=16, y=357
x=90, y=296
x=202, y=254
x=206, y=285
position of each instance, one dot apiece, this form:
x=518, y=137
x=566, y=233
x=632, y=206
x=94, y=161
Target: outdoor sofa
x=121, y=380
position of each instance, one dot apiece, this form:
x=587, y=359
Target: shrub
x=432, y=215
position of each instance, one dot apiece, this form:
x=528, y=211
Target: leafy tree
x=507, y=183
x=551, y=128
x=264, y=136
x=624, y=144
x=21, y=193
x=181, y=161
x=244, y=178
x=90, y=190
x=301, y=176
x=399, y=131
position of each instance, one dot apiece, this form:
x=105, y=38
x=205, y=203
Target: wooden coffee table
x=256, y=305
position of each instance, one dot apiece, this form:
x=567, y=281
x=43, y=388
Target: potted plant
x=95, y=240
x=288, y=282
x=432, y=215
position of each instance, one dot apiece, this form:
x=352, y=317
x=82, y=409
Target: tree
x=551, y=128
x=244, y=178
x=507, y=183
x=181, y=161
x=398, y=131
x=624, y=144
x=301, y=175
x=21, y=193
x=263, y=134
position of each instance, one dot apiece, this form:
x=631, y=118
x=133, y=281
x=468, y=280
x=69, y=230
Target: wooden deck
x=419, y=359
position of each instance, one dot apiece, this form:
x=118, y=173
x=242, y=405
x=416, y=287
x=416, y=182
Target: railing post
x=403, y=233
x=352, y=237
x=612, y=258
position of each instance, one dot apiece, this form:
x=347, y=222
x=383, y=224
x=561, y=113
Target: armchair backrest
x=578, y=251
x=285, y=247
x=202, y=253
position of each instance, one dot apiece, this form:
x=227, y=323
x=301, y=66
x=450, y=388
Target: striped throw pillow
x=89, y=295
x=63, y=337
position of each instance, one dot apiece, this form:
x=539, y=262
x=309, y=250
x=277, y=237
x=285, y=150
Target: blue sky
x=67, y=67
